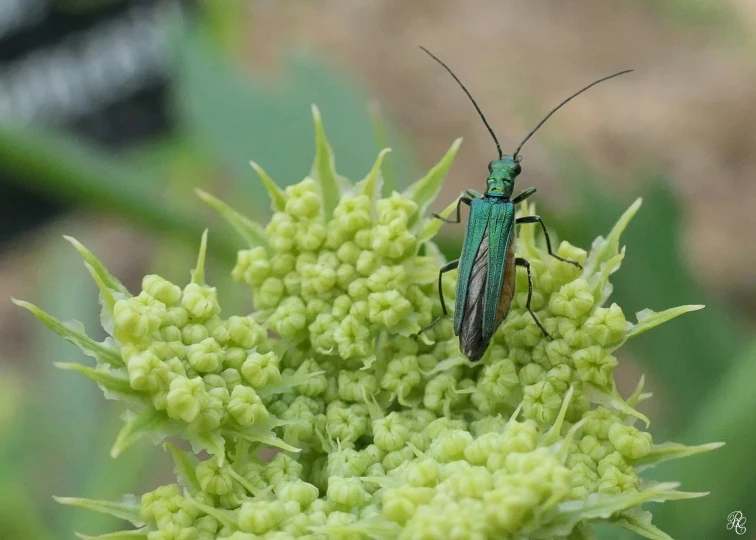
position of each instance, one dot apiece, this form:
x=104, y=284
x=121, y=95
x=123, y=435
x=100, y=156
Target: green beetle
x=486, y=279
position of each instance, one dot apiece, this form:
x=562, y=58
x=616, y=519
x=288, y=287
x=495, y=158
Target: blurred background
x=113, y=111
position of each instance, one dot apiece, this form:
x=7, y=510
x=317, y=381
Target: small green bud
x=245, y=332
x=246, y=406
x=270, y=294
x=161, y=289
x=205, y=356
x=595, y=365
x=214, y=478
x=191, y=334
x=261, y=369
x=630, y=442
x=260, y=517
x=450, y=446
x=138, y=317
x=388, y=308
x=541, y=402
x=348, y=253
x=573, y=300
x=282, y=468
x=185, y=398
x=390, y=433
x=347, y=491
x=200, y=301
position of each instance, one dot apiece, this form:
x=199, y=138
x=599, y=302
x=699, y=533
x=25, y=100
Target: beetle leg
x=537, y=219
x=524, y=195
x=463, y=199
x=474, y=194
x=519, y=261
x=448, y=267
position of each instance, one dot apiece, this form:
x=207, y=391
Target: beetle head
x=501, y=177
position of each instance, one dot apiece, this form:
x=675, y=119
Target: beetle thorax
x=501, y=177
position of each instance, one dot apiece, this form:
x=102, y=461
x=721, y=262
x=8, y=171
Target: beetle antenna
x=555, y=109
x=498, y=146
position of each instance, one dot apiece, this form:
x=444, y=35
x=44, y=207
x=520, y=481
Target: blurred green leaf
x=74, y=171
x=238, y=117
x=726, y=414
x=19, y=517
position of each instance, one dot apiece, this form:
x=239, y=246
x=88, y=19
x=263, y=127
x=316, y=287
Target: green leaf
x=604, y=249
x=198, y=274
x=371, y=184
x=127, y=509
x=431, y=226
x=323, y=169
x=108, y=279
x=120, y=535
x=611, y=399
x=668, y=451
x=116, y=384
x=648, y=319
x=425, y=190
x=249, y=230
x=277, y=197
x=600, y=506
x=145, y=424
x=70, y=332
x=640, y=523
x=184, y=466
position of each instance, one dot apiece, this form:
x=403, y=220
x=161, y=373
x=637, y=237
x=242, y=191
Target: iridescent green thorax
x=501, y=177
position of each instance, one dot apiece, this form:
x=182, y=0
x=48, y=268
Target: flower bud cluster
x=338, y=282
x=194, y=365
x=385, y=434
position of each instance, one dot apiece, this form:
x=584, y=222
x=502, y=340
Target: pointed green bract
x=425, y=190
x=323, y=169
x=668, y=451
x=75, y=335
x=277, y=197
x=648, y=319
x=432, y=226
x=127, y=509
x=372, y=184
x=184, y=466
x=119, y=535
x=113, y=383
x=198, y=274
x=640, y=523
x=97, y=268
x=604, y=249
x=144, y=424
x=249, y=230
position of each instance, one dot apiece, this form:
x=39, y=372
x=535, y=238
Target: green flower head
x=378, y=433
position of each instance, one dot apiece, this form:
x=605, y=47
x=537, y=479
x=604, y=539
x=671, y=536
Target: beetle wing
x=471, y=340
x=480, y=210
x=500, y=226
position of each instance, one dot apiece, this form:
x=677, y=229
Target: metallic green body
x=492, y=218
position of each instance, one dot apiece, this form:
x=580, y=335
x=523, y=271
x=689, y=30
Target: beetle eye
x=517, y=168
